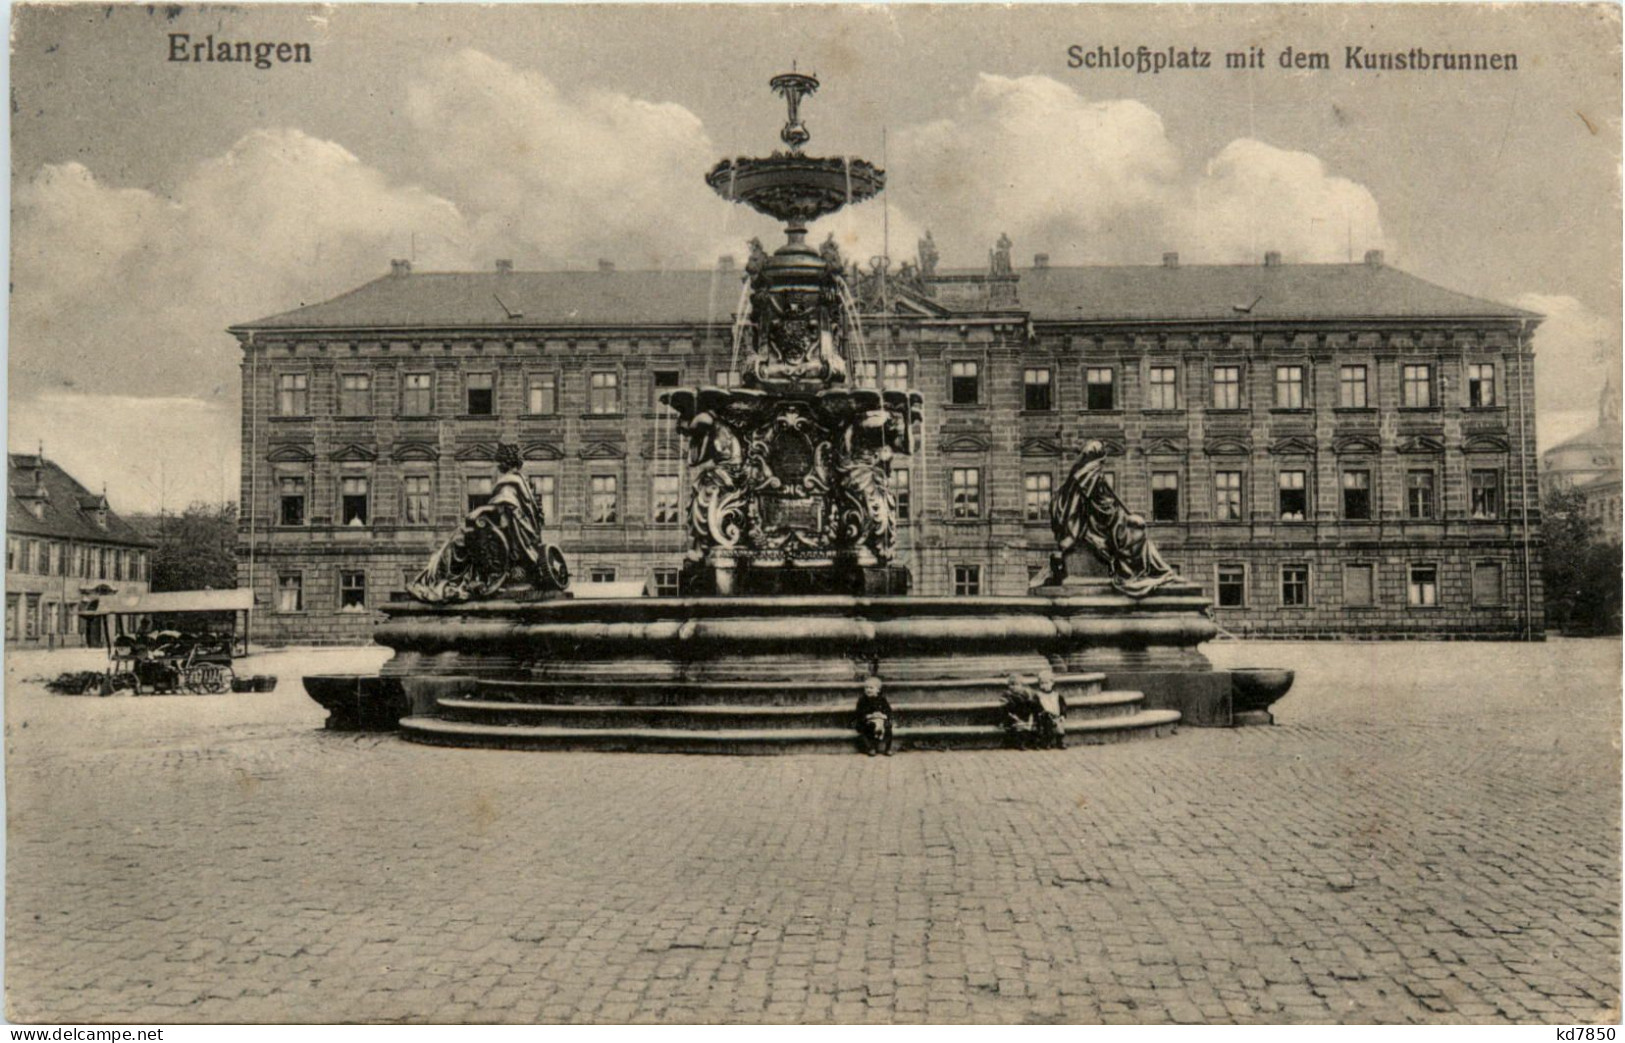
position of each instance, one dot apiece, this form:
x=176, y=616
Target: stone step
x=713, y=717
x=1075, y=687
x=434, y=730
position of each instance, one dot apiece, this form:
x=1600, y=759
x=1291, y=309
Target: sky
x=156, y=202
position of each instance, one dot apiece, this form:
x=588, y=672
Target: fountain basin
x=780, y=674
x=1254, y=689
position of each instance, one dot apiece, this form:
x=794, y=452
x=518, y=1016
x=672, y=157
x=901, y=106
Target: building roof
x=1213, y=292
x=1603, y=436
x=67, y=509
x=176, y=601
x=460, y=300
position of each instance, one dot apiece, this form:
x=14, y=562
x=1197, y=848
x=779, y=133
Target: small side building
x=65, y=548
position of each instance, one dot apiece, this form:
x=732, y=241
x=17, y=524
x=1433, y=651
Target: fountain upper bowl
x=793, y=188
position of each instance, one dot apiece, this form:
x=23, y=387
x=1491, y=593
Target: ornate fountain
x=793, y=628
x=791, y=488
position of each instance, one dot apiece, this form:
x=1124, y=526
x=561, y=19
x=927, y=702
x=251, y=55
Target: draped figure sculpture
x=499, y=543
x=1086, y=511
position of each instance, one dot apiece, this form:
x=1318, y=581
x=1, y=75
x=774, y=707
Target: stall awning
x=173, y=601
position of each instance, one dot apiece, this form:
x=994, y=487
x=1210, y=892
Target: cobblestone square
x=1430, y=834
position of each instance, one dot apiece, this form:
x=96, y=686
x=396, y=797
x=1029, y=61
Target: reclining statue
x=1086, y=511
x=499, y=542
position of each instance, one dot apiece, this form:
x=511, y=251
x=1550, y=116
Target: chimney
x=1170, y=260
x=725, y=263
x=399, y=268
x=605, y=266
x=504, y=266
x=1040, y=261
x=1272, y=259
x=1373, y=258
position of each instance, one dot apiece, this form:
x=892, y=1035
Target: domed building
x=1590, y=463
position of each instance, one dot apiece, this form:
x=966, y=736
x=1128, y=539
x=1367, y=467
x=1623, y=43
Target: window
x=601, y=574
x=480, y=392
x=604, y=393
x=293, y=394
x=101, y=562
x=355, y=394
x=1416, y=387
x=896, y=376
x=1226, y=387
x=1487, y=583
x=967, y=492
x=1419, y=500
x=665, y=583
x=542, y=396
x=663, y=381
x=1165, y=496
x=1359, y=586
x=290, y=592
x=1037, y=489
x=1486, y=494
x=1097, y=387
x=1422, y=589
x=1037, y=390
x=1293, y=495
x=729, y=378
x=1351, y=388
x=352, y=590
x=13, y=547
x=1227, y=496
x=418, y=502
x=866, y=374
x=56, y=562
x=1294, y=586
x=1164, y=388
x=290, y=500
x=605, y=499
x=417, y=394
x=967, y=580
x=353, y=501
x=900, y=489
x=964, y=384
x=1481, y=385
x=1288, y=387
x=1232, y=586
x=665, y=500
x=544, y=487
x=1357, y=495
x=477, y=489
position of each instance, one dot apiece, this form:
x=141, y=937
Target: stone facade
x=1331, y=467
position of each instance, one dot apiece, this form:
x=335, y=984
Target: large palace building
x=1332, y=450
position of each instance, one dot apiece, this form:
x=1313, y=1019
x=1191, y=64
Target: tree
x=1580, y=572
x=197, y=549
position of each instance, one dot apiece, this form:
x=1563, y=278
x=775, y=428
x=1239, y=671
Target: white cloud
x=1030, y=156
x=1090, y=181
x=1575, y=351
x=1252, y=198
x=149, y=452
x=563, y=178
x=122, y=292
